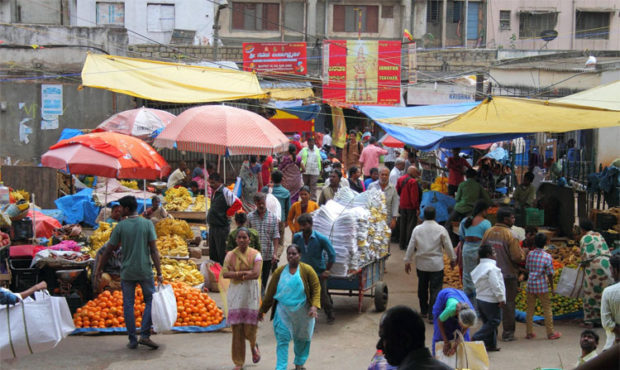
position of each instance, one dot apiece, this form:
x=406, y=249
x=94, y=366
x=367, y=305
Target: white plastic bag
x=34, y=325
x=164, y=308
x=571, y=283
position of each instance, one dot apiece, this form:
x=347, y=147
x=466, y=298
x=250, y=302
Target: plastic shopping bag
x=469, y=355
x=164, y=308
x=571, y=283
x=34, y=325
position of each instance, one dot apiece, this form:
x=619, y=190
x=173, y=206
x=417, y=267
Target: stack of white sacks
x=356, y=226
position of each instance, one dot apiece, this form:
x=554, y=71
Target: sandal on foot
x=255, y=354
x=555, y=335
x=530, y=336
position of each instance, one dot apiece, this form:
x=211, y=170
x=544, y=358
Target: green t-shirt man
x=134, y=234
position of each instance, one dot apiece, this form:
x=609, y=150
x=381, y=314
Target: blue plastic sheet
x=55, y=213
x=180, y=329
x=429, y=139
x=79, y=207
x=442, y=203
x=499, y=154
x=520, y=316
x=68, y=133
x=305, y=112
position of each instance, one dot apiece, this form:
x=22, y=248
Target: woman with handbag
x=595, y=256
x=294, y=295
x=471, y=231
x=243, y=266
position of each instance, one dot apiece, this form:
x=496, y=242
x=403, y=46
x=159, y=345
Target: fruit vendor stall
x=196, y=310
x=565, y=254
x=180, y=204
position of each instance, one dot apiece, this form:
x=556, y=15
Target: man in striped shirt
x=266, y=224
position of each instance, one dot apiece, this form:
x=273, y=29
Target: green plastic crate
x=534, y=217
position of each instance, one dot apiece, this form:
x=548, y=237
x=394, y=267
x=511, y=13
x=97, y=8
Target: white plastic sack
x=34, y=325
x=571, y=283
x=164, y=309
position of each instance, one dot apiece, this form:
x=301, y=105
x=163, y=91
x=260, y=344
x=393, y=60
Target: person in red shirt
x=410, y=193
x=266, y=169
x=297, y=142
x=456, y=171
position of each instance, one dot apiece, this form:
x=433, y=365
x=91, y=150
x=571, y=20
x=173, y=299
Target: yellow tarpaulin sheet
x=514, y=115
x=419, y=120
x=290, y=94
x=169, y=82
x=604, y=97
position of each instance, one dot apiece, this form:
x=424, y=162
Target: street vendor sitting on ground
x=115, y=216
x=111, y=276
x=156, y=212
x=193, y=188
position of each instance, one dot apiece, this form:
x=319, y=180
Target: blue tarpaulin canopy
x=429, y=139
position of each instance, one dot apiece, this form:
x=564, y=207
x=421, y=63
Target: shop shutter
x=271, y=16
x=338, y=19
x=237, y=16
x=372, y=19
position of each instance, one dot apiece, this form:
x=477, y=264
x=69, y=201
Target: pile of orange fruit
x=194, y=308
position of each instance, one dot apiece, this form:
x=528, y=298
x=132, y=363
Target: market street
x=348, y=344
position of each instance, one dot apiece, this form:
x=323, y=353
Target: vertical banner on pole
x=412, y=63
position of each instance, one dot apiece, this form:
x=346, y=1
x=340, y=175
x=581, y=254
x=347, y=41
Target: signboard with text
x=361, y=72
x=275, y=57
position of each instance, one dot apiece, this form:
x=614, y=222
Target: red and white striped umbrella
x=140, y=123
x=217, y=129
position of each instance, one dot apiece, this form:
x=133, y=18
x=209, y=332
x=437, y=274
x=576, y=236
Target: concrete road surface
x=348, y=344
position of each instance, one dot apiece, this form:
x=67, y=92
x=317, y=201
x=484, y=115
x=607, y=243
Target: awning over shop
x=514, y=115
x=428, y=139
x=426, y=114
x=296, y=119
x=603, y=97
x=169, y=82
x=287, y=90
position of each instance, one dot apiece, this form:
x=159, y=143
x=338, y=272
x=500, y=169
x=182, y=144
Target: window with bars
x=433, y=11
x=387, y=11
x=592, y=25
x=109, y=13
x=255, y=16
x=457, y=11
x=347, y=18
x=504, y=20
x=532, y=24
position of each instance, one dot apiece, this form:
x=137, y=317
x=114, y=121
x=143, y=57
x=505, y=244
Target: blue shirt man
x=313, y=245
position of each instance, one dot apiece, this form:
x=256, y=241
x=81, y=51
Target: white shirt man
x=327, y=139
x=396, y=172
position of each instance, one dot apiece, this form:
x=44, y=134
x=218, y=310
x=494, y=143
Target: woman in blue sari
x=452, y=311
x=294, y=292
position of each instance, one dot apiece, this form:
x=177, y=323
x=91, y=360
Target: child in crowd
x=539, y=265
x=527, y=245
x=490, y=296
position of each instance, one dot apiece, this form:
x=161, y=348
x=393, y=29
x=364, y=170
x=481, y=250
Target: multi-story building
x=552, y=24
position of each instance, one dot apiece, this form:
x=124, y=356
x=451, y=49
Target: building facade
x=552, y=24
x=150, y=21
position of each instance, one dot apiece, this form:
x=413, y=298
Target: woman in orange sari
x=303, y=205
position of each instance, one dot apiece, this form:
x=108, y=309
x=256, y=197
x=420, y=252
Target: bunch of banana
x=177, y=199
x=172, y=245
x=171, y=226
x=20, y=194
x=451, y=277
x=131, y=184
x=100, y=237
x=199, y=204
x=184, y=271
